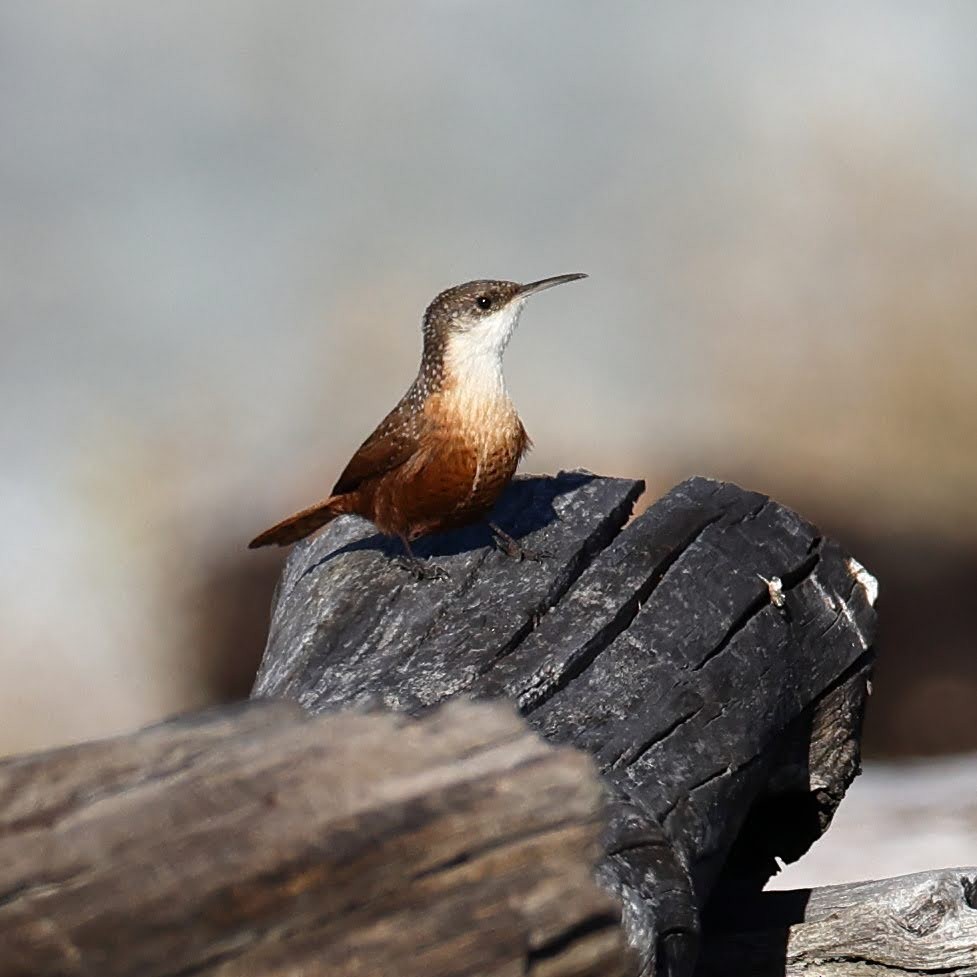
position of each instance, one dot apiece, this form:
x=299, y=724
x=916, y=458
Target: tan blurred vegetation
x=881, y=402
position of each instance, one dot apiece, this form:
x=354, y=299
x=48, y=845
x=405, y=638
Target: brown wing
x=394, y=441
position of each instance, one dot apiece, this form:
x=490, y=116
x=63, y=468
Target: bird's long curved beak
x=533, y=287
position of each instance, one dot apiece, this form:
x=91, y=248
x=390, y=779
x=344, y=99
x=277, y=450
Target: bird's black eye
x=484, y=302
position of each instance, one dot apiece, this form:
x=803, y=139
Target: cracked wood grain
x=262, y=841
x=343, y=602
x=652, y=645
x=913, y=925
x=37, y=790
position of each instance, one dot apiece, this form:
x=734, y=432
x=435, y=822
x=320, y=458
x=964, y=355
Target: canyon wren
x=442, y=457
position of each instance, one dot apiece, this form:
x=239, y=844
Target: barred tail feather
x=300, y=525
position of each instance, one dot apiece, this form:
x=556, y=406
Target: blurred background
x=222, y=221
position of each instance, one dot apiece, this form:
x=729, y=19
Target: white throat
x=473, y=358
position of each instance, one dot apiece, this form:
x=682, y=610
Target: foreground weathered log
x=712, y=656
x=258, y=841
x=915, y=925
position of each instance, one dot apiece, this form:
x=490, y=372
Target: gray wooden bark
x=914, y=925
x=260, y=841
x=723, y=710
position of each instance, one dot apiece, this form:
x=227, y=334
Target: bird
x=442, y=457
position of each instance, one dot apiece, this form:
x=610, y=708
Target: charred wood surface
x=915, y=925
x=261, y=841
x=712, y=656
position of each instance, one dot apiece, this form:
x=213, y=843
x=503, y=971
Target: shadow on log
x=712, y=656
x=258, y=841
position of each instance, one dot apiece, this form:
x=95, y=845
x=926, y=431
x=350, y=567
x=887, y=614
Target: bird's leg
x=512, y=547
x=417, y=568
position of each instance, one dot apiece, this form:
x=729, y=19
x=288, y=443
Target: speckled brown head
x=474, y=321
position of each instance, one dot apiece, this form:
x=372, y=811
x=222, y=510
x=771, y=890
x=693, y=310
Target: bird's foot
x=420, y=570
x=512, y=547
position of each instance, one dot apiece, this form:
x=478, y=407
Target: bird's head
x=472, y=323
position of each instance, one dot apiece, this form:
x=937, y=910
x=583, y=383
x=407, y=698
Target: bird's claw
x=422, y=571
x=512, y=547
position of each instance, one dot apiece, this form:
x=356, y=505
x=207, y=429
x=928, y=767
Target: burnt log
x=258, y=840
x=711, y=655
